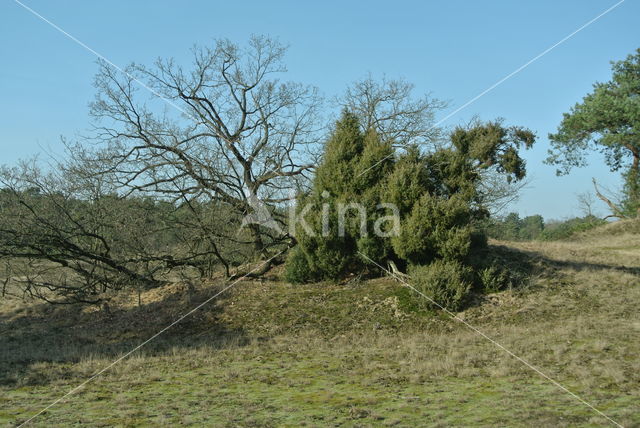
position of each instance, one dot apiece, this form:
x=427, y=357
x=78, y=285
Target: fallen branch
x=396, y=273
x=616, y=211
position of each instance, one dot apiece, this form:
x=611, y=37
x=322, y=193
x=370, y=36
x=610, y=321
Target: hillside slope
x=361, y=353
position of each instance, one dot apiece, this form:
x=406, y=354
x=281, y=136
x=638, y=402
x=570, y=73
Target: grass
x=355, y=354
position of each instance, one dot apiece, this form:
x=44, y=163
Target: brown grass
x=359, y=354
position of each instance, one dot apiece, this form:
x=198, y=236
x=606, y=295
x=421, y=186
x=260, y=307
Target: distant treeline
x=513, y=228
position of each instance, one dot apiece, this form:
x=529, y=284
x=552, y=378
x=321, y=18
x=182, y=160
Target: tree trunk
x=616, y=211
x=635, y=178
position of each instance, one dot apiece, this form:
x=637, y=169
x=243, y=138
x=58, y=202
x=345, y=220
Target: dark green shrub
x=350, y=172
x=447, y=283
x=436, y=228
x=493, y=279
x=297, y=269
x=431, y=198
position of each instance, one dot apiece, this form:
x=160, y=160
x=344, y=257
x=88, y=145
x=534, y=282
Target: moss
x=409, y=303
x=356, y=353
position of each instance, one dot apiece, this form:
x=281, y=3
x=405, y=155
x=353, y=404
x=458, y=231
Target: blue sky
x=453, y=49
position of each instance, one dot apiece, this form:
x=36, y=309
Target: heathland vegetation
x=357, y=352
x=325, y=253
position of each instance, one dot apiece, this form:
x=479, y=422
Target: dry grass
x=360, y=354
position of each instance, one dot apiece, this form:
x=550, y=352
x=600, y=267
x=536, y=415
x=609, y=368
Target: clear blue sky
x=454, y=49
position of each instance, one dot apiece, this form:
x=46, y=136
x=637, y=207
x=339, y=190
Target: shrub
x=436, y=228
x=494, y=279
x=430, y=200
x=498, y=268
x=297, y=269
x=446, y=283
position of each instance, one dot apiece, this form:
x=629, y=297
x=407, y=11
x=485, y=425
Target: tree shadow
x=525, y=264
x=546, y=261
x=33, y=336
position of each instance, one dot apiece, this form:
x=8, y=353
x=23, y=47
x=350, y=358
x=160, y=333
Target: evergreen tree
x=607, y=119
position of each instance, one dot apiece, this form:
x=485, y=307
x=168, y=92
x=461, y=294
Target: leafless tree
x=69, y=236
x=497, y=193
x=612, y=200
x=586, y=202
x=242, y=132
x=389, y=107
x=69, y=239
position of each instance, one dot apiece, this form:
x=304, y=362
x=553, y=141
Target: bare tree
x=586, y=202
x=615, y=202
x=68, y=236
x=242, y=133
x=497, y=193
x=388, y=106
x=70, y=239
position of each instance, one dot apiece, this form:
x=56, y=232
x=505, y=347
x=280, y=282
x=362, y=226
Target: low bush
x=447, y=283
x=493, y=279
x=297, y=269
x=498, y=268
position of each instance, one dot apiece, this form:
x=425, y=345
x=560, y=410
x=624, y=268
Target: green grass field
x=361, y=353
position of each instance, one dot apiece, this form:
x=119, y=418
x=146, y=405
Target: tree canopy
x=608, y=120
